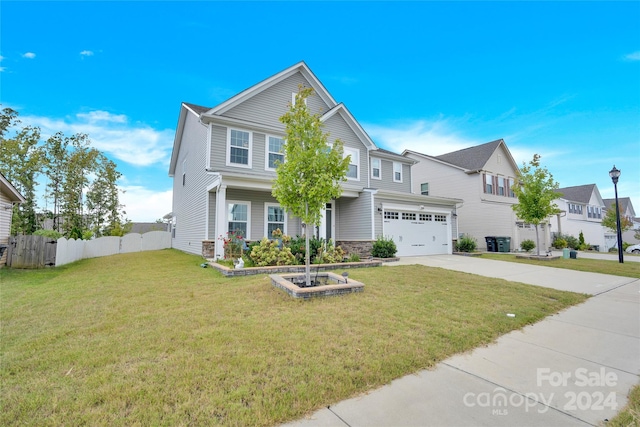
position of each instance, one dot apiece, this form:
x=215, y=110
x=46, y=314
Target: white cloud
x=145, y=205
x=429, y=137
x=29, y=55
x=139, y=145
x=2, y=68
x=86, y=53
x=635, y=56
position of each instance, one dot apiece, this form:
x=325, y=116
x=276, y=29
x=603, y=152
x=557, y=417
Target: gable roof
x=472, y=158
x=300, y=67
x=8, y=188
x=623, y=202
x=198, y=109
x=351, y=122
x=578, y=193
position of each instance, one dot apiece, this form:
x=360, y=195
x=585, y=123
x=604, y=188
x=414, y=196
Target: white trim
x=266, y=218
x=209, y=133
x=353, y=152
x=221, y=219
x=394, y=172
x=322, y=227
x=250, y=148
x=379, y=177
x=267, y=152
x=239, y=202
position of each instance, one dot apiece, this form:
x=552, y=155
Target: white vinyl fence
x=73, y=250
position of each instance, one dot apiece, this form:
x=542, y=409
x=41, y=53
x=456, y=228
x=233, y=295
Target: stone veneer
x=340, y=287
x=362, y=248
x=208, y=248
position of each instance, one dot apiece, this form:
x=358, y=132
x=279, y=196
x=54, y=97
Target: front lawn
x=626, y=269
x=154, y=339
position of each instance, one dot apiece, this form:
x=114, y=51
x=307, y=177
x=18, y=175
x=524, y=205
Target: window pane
x=424, y=188
x=239, y=228
x=274, y=159
x=352, y=172
x=239, y=155
x=376, y=173
x=276, y=145
x=239, y=139
x=237, y=212
x=275, y=214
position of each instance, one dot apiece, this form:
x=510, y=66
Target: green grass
x=154, y=339
x=629, y=416
x=627, y=269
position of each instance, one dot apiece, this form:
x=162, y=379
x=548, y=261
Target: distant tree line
x=81, y=197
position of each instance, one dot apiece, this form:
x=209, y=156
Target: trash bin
x=492, y=245
x=565, y=253
x=573, y=254
x=504, y=244
x=2, y=249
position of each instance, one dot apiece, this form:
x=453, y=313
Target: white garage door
x=417, y=233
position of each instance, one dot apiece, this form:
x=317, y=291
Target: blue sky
x=559, y=79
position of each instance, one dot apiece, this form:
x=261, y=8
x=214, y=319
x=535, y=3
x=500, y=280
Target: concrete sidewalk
x=573, y=368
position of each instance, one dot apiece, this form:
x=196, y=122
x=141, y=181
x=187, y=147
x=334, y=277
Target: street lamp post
x=615, y=174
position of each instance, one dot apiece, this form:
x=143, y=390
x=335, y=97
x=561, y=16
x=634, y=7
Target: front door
x=327, y=228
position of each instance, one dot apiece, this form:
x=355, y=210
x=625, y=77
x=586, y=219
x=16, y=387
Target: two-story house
x=224, y=162
x=626, y=209
x=582, y=210
x=482, y=176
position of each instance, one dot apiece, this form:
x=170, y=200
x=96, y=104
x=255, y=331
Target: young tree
x=535, y=189
x=609, y=220
x=312, y=172
x=20, y=163
x=102, y=200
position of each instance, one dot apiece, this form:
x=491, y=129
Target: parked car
x=634, y=249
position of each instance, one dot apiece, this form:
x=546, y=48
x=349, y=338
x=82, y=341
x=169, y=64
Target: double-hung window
x=375, y=169
x=354, y=162
x=424, y=188
x=397, y=172
x=275, y=152
x=488, y=188
x=511, y=184
x=501, y=189
x=275, y=218
x=239, y=218
x=239, y=148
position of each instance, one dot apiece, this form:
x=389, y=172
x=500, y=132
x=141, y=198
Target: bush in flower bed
x=269, y=252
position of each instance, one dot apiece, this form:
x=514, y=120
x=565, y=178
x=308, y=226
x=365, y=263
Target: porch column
x=221, y=219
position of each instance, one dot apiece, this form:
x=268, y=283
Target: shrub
x=329, y=254
x=559, y=243
x=268, y=253
x=528, y=245
x=232, y=245
x=298, y=249
x=51, y=234
x=581, y=241
x=466, y=244
x=572, y=242
x=354, y=258
x=384, y=248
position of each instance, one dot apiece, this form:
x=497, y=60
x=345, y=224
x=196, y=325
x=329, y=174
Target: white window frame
x=373, y=167
x=355, y=160
x=293, y=99
x=267, y=151
x=250, y=148
x=240, y=202
x=397, y=167
x=488, y=183
x=501, y=187
x=267, y=205
x=184, y=171
x=511, y=184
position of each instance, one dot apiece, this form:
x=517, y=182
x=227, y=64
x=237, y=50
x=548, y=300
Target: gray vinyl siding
x=258, y=199
x=387, y=183
x=339, y=129
x=218, y=153
x=353, y=218
x=189, y=201
x=269, y=105
x=5, y=224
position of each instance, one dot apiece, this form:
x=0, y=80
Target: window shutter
x=507, y=188
x=484, y=182
x=494, y=187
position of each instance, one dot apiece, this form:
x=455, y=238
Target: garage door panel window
x=425, y=217
x=391, y=215
x=408, y=216
x=440, y=218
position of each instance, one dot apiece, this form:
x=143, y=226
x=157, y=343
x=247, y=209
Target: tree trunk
x=307, y=257
x=537, y=240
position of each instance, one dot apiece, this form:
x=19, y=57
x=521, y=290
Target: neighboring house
x=223, y=164
x=582, y=210
x=8, y=197
x=627, y=210
x=482, y=176
x=145, y=227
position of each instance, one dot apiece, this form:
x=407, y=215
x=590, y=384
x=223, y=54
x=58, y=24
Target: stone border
x=280, y=281
x=468, y=253
x=250, y=271
x=539, y=258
